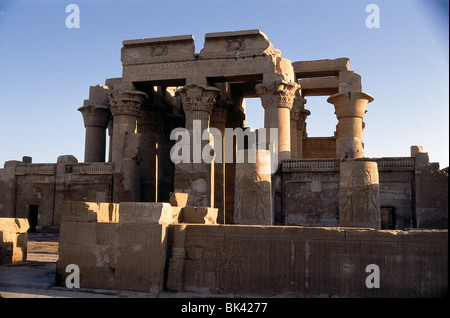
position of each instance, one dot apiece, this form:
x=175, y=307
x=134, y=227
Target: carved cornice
x=198, y=98
x=277, y=93
x=126, y=102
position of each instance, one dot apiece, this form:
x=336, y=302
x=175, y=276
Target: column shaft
x=125, y=108
x=277, y=98
x=95, y=144
x=350, y=108
x=148, y=127
x=196, y=179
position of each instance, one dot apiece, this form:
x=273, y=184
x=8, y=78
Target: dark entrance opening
x=387, y=218
x=32, y=217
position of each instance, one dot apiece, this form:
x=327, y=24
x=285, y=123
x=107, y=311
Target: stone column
x=96, y=118
x=253, y=196
x=149, y=123
x=350, y=108
x=96, y=114
x=359, y=197
x=301, y=124
x=110, y=134
x=125, y=108
x=235, y=119
x=277, y=98
x=295, y=115
x=196, y=178
x=298, y=118
x=219, y=120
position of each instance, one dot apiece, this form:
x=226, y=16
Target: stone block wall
x=13, y=240
x=142, y=247
x=319, y=147
x=115, y=252
x=431, y=194
x=307, y=262
x=120, y=246
x=45, y=187
x=414, y=189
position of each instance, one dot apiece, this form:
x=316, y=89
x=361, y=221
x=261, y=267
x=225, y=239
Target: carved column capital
x=126, y=102
x=277, y=93
x=219, y=114
x=350, y=108
x=198, y=98
x=350, y=104
x=95, y=113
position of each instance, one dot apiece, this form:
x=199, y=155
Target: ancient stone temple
x=171, y=109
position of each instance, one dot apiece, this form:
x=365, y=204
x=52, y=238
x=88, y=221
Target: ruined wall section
x=308, y=262
x=414, y=190
x=121, y=246
x=125, y=252
x=143, y=247
x=431, y=202
x=44, y=187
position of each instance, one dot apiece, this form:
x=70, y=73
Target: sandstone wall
x=128, y=255
x=142, y=247
x=46, y=186
x=120, y=246
x=310, y=262
x=319, y=147
x=412, y=187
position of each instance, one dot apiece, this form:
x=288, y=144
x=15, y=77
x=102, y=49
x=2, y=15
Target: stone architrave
x=359, y=197
x=350, y=108
x=196, y=179
x=253, y=194
x=125, y=108
x=277, y=98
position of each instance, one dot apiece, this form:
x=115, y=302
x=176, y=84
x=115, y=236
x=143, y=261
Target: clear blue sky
x=46, y=69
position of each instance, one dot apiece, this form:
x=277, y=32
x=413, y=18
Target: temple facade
x=295, y=180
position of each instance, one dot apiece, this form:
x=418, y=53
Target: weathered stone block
x=178, y=199
x=371, y=242
x=141, y=268
x=107, y=234
x=135, y=236
x=108, y=212
x=145, y=212
x=97, y=277
x=78, y=211
x=78, y=233
x=202, y=215
x=238, y=43
x=13, y=240
x=162, y=49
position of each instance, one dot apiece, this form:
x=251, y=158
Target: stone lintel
x=319, y=68
x=163, y=39
x=156, y=50
x=321, y=86
x=237, y=44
